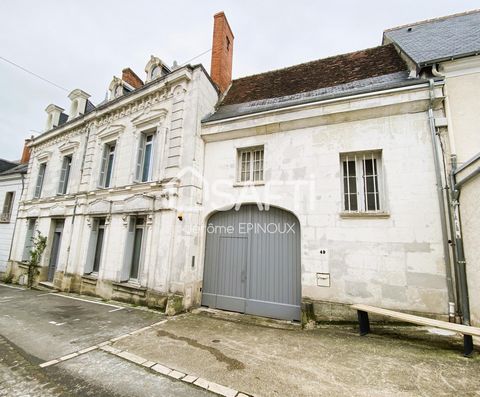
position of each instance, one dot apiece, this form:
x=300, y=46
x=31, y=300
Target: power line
x=34, y=74
x=198, y=56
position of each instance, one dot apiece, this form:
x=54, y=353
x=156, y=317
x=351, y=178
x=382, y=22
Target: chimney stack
x=129, y=77
x=26, y=152
x=222, y=52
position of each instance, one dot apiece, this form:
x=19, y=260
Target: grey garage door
x=252, y=262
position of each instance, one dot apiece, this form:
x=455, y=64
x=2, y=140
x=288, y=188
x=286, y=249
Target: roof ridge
x=437, y=19
x=309, y=62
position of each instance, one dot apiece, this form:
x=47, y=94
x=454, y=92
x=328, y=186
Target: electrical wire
x=34, y=74
x=198, y=56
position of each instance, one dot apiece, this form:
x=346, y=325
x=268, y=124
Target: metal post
x=363, y=322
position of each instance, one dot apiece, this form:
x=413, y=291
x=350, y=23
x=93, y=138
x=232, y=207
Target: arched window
x=156, y=72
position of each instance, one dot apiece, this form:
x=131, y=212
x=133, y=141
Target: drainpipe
x=441, y=201
x=461, y=262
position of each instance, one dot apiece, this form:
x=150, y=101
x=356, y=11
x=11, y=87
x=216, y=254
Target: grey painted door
x=252, y=262
x=57, y=239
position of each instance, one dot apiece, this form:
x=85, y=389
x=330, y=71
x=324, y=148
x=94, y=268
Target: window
x=134, y=249
x=250, y=164
x=41, y=175
x=7, y=207
x=156, y=72
x=118, y=90
x=362, y=182
x=143, y=172
x=29, y=239
x=64, y=175
x=106, y=170
x=95, y=247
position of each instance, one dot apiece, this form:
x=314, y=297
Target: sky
x=84, y=43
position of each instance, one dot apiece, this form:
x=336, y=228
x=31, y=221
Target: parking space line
x=11, y=286
x=84, y=300
x=116, y=310
x=98, y=345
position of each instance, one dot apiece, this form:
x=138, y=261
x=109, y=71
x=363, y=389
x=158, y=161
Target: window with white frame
x=143, y=172
x=362, y=182
x=106, y=167
x=64, y=174
x=7, y=207
x=40, y=177
x=250, y=164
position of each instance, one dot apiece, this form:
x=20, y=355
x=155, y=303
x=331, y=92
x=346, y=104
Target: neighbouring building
x=449, y=48
x=299, y=190
x=12, y=176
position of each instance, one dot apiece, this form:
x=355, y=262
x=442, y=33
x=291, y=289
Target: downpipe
x=441, y=200
x=460, y=253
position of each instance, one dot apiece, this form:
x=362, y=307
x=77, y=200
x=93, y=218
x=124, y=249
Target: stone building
x=305, y=188
x=102, y=186
x=12, y=176
x=449, y=49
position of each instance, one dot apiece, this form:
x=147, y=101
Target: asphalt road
x=38, y=326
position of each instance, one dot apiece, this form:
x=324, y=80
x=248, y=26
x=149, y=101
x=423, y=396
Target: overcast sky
x=82, y=44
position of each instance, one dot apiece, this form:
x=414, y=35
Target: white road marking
x=84, y=300
x=10, y=286
x=98, y=345
x=116, y=310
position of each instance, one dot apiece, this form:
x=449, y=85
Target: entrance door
x=252, y=262
x=57, y=238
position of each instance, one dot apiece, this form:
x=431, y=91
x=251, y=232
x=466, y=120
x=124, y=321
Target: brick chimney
x=129, y=77
x=26, y=152
x=222, y=52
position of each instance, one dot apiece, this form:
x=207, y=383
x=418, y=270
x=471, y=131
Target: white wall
x=8, y=183
x=394, y=261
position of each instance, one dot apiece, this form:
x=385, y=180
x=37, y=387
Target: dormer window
x=118, y=91
x=155, y=68
x=156, y=72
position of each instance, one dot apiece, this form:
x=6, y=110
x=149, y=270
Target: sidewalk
x=331, y=360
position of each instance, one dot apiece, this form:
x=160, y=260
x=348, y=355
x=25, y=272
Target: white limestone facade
x=392, y=258
x=152, y=134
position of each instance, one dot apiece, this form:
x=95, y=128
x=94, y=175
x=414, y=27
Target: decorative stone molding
x=110, y=132
x=58, y=210
x=44, y=156
x=69, y=147
x=99, y=206
x=150, y=115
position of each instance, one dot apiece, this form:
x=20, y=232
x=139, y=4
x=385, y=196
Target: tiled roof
x=438, y=39
x=310, y=76
x=388, y=81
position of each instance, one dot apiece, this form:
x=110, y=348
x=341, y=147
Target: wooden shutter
x=103, y=167
x=28, y=240
x=140, y=153
x=127, y=257
x=63, y=176
x=41, y=174
x=91, y=248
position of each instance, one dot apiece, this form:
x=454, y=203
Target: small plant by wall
x=39, y=243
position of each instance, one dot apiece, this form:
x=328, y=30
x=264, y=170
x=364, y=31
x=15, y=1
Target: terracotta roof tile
x=328, y=72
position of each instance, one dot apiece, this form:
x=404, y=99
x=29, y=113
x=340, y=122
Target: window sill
x=347, y=215
x=247, y=184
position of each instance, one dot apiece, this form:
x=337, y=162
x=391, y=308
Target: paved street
x=36, y=326
x=123, y=351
